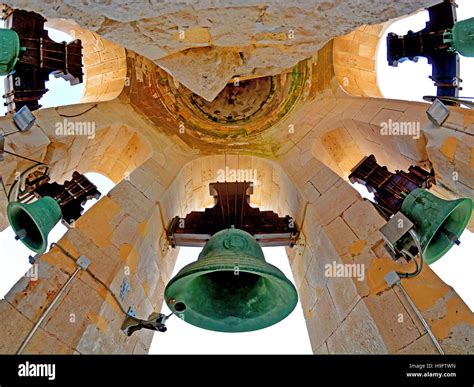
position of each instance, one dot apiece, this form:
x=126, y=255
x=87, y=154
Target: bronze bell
x=230, y=288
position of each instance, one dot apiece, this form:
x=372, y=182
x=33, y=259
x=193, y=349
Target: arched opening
x=183, y=338
x=273, y=190
x=104, y=63
x=60, y=93
x=355, y=60
x=410, y=80
x=104, y=67
x=14, y=261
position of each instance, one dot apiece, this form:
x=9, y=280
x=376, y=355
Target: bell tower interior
x=177, y=102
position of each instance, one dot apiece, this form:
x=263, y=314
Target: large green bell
x=230, y=288
x=439, y=223
x=461, y=37
x=9, y=50
x=33, y=222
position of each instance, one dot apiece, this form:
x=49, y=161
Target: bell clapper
x=20, y=234
x=450, y=236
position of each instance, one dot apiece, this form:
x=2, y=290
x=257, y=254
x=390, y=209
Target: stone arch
x=121, y=234
x=105, y=63
x=338, y=228
x=115, y=151
x=343, y=143
x=370, y=127
x=189, y=191
x=355, y=60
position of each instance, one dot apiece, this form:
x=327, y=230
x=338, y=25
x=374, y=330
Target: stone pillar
x=123, y=236
x=359, y=313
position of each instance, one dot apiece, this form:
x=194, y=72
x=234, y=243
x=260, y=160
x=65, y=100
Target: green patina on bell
x=34, y=221
x=438, y=223
x=9, y=50
x=461, y=37
x=230, y=288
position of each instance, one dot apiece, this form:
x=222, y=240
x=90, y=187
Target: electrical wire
x=416, y=239
x=75, y=115
x=419, y=268
x=21, y=157
x=413, y=273
x=69, y=255
x=4, y=188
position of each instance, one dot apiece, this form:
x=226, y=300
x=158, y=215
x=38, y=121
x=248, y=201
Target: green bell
x=439, y=223
x=461, y=37
x=9, y=50
x=33, y=222
x=230, y=288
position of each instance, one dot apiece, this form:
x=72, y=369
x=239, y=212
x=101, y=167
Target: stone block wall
x=353, y=310
x=189, y=191
x=271, y=38
x=105, y=67
x=123, y=234
x=104, y=62
x=355, y=60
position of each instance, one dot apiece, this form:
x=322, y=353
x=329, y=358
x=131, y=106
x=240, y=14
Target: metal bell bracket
x=156, y=322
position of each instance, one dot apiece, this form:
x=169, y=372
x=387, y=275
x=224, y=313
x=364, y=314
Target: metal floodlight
x=24, y=119
x=438, y=113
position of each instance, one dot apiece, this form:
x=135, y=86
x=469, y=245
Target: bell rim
x=273, y=274
x=457, y=203
x=420, y=192
x=19, y=206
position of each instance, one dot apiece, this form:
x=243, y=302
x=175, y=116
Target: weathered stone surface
x=43, y=343
x=460, y=340
x=324, y=179
x=322, y=350
x=131, y=200
x=334, y=202
x=344, y=295
x=341, y=235
x=421, y=346
x=393, y=321
x=323, y=253
x=298, y=267
x=357, y=334
x=310, y=192
x=15, y=328
x=217, y=67
x=71, y=315
x=269, y=38
x=363, y=219
x=322, y=320
x=31, y=296
x=306, y=296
